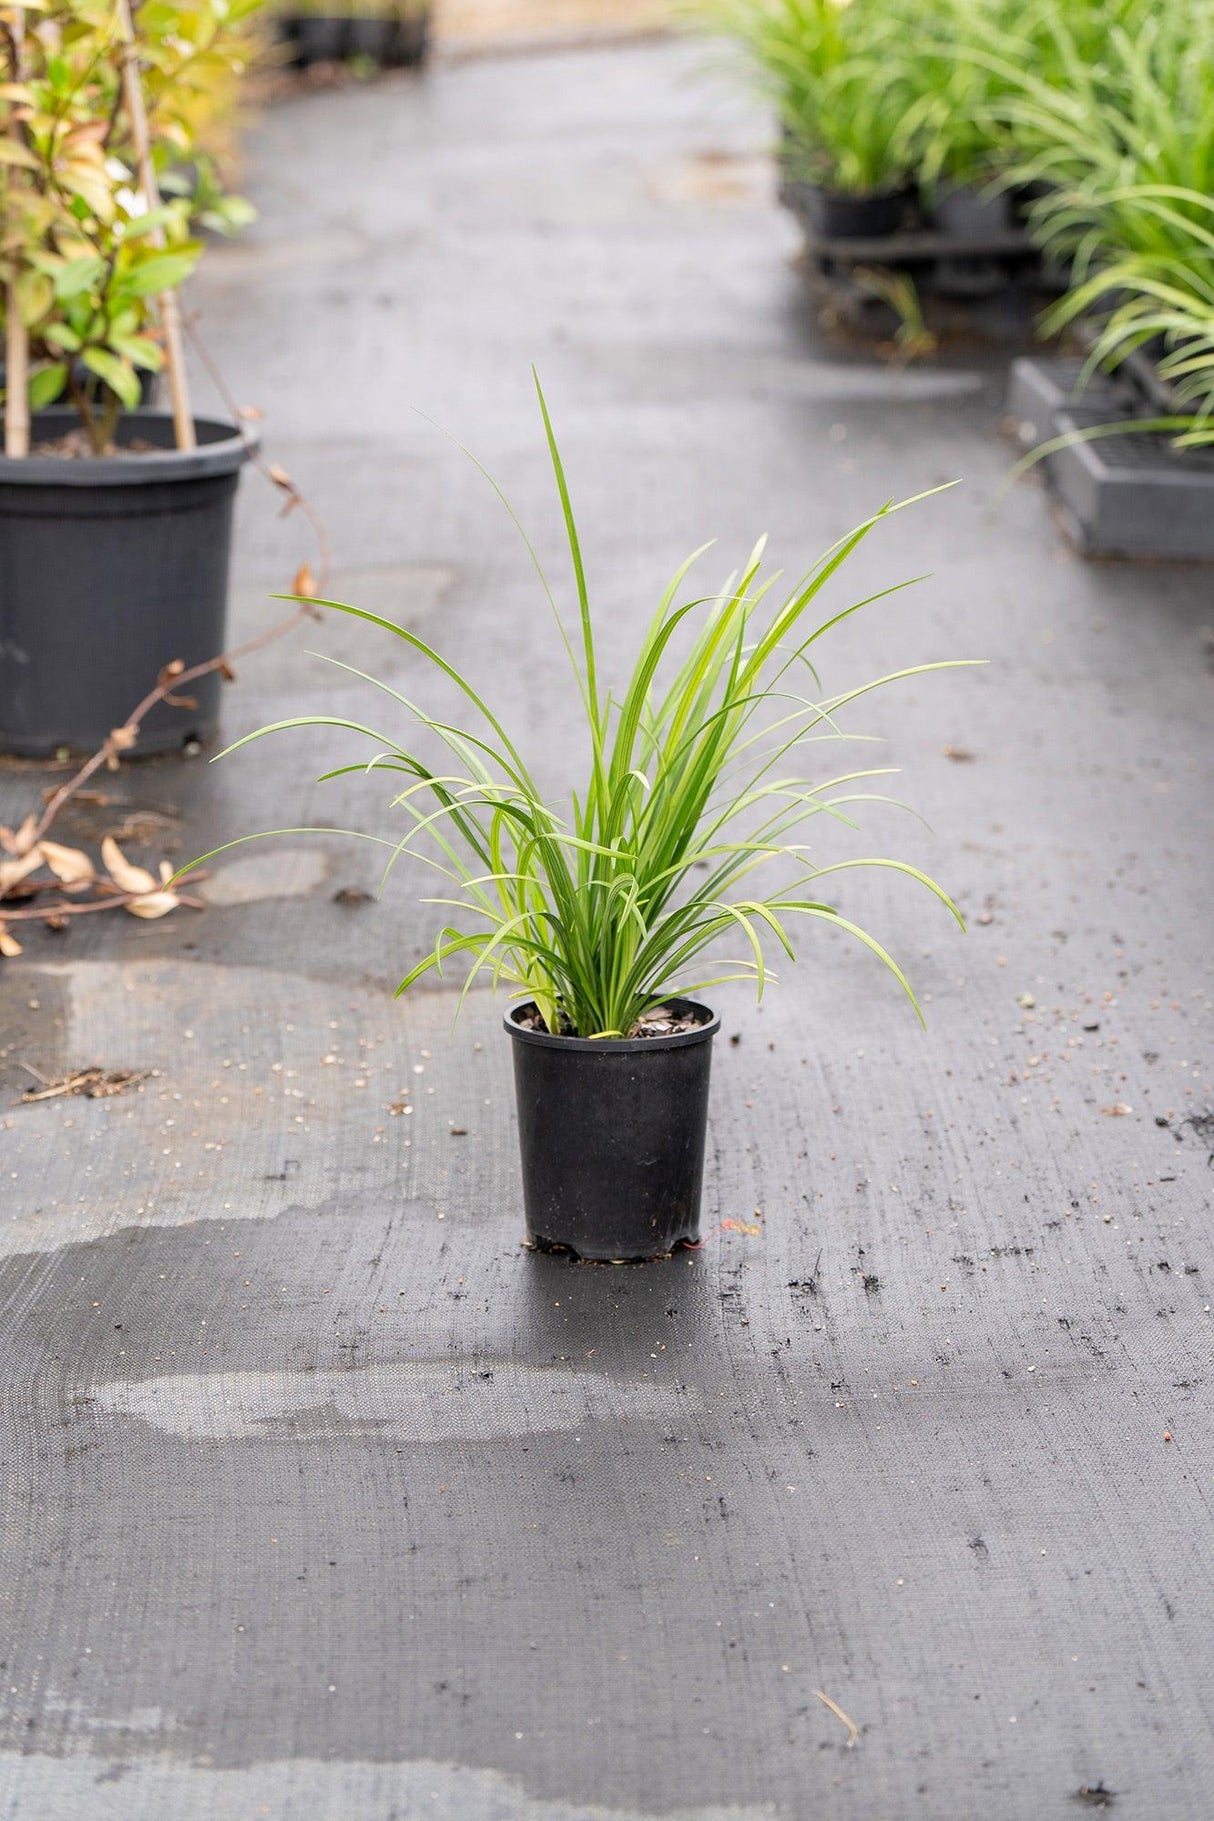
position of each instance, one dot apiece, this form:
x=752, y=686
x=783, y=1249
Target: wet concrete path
x=324, y=1501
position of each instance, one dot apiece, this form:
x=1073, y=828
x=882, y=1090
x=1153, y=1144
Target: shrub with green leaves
x=698, y=789
x=87, y=257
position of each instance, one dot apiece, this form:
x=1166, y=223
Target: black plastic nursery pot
x=391, y=42
x=973, y=220
x=110, y=568
x=968, y=212
x=369, y=36
x=835, y=216
x=612, y=1133
x=409, y=39
x=317, y=38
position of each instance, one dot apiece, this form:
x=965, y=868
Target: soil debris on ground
x=89, y=1084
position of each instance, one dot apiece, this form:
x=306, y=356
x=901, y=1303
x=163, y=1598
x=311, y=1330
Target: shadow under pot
x=834, y=215
x=111, y=567
x=611, y=1135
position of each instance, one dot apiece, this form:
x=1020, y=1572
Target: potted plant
x=1124, y=159
x=971, y=64
x=961, y=145
x=115, y=522
x=608, y=913
x=834, y=75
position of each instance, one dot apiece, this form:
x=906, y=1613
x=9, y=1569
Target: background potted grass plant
x=115, y=522
x=834, y=75
x=952, y=123
x=608, y=913
x=1121, y=149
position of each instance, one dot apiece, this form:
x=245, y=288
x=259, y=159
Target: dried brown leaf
x=13, y=871
x=305, y=581
x=9, y=944
x=25, y=836
x=70, y=865
x=126, y=877
x=153, y=904
x=123, y=738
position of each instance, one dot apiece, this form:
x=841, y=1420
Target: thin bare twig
x=91, y=1084
x=17, y=346
x=50, y=913
x=170, y=310
x=853, y=1731
x=270, y=471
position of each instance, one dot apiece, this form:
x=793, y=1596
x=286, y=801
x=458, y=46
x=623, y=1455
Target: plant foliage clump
x=697, y=787
x=836, y=76
x=1120, y=150
x=84, y=254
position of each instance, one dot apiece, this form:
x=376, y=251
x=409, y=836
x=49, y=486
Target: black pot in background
x=409, y=39
x=111, y=567
x=369, y=36
x=318, y=38
x=967, y=212
x=835, y=216
x=612, y=1132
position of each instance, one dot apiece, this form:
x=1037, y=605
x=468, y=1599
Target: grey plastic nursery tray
x=1130, y=495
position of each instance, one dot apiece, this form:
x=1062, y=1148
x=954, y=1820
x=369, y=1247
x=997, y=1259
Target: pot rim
x=222, y=449
x=618, y=1046
x=899, y=193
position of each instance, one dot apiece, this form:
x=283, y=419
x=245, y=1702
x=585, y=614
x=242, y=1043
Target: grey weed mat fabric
x=324, y=1501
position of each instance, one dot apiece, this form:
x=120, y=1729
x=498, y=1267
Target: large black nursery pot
x=111, y=567
x=612, y=1132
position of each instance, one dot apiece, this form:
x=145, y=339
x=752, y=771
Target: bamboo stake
x=16, y=361
x=170, y=314
x=17, y=341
